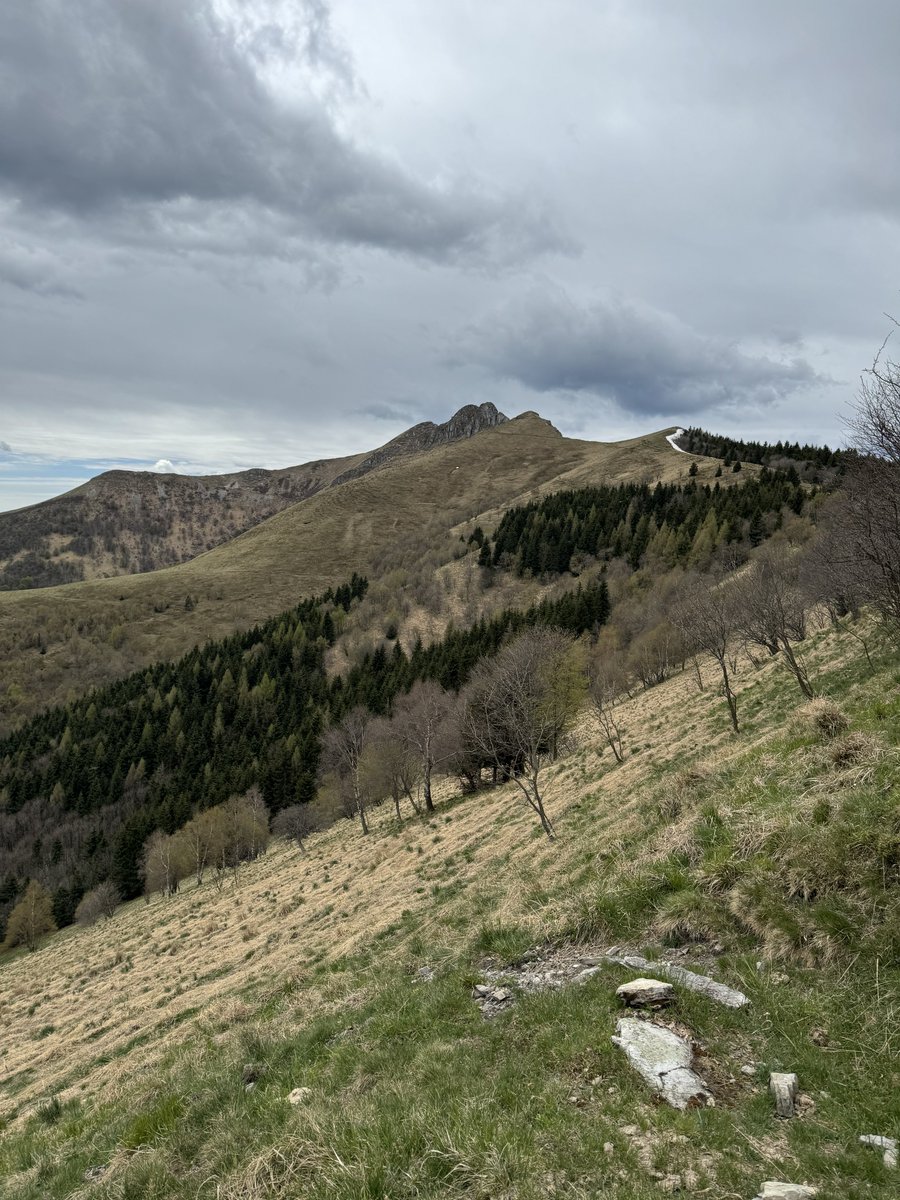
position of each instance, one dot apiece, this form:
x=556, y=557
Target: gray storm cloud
x=162, y=107
x=647, y=362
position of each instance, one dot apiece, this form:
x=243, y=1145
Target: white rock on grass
x=774, y=1190
x=887, y=1144
x=730, y=997
x=300, y=1095
x=785, y=1087
x=646, y=993
x=663, y=1060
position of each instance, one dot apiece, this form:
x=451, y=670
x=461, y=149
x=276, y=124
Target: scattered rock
x=663, y=1060
x=252, y=1072
x=749, y=1069
x=818, y=1037
x=92, y=1174
x=608, y=1148
x=491, y=1000
x=784, y=1087
x=695, y=983
x=775, y=1190
x=630, y=1130
x=887, y=1144
x=248, y=1087
x=646, y=993
x=425, y=974
x=299, y=1095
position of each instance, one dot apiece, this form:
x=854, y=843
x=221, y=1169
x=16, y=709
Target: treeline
x=83, y=787
x=778, y=455
x=667, y=525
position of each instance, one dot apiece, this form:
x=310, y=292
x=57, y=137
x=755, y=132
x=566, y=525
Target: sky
x=240, y=233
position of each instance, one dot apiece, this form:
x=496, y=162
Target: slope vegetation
x=57, y=641
x=768, y=860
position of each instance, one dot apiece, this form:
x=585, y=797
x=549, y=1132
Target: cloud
x=646, y=361
x=34, y=269
x=164, y=467
x=173, y=115
x=6, y=448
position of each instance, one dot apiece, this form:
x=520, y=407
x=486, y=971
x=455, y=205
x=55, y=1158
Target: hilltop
x=411, y=509
x=126, y=522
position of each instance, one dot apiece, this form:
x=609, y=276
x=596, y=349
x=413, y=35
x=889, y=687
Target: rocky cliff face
x=126, y=522
x=469, y=420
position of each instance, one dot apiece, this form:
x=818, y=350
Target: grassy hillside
x=770, y=861
x=55, y=642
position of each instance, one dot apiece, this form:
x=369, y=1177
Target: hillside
x=768, y=861
x=126, y=522
x=57, y=641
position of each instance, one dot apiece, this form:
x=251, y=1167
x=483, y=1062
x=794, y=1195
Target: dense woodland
x=819, y=464
x=669, y=524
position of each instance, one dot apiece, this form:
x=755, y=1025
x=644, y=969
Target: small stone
x=614, y=950
x=252, y=1071
x=775, y=1190
x=646, y=993
x=299, y=1095
x=887, y=1144
x=748, y=1069
x=630, y=1130
x=480, y=990
x=818, y=1037
x=425, y=974
x=586, y=974
x=248, y=1087
x=501, y=995
x=608, y=1148
x=785, y=1087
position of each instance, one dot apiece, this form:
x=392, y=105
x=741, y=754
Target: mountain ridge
x=130, y=522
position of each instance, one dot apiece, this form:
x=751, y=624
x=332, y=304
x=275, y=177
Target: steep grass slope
x=132, y=1045
x=58, y=641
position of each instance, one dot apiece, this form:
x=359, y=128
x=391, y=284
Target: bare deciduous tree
x=707, y=615
x=607, y=682
x=101, y=901
x=518, y=707
x=391, y=767
x=342, y=753
x=418, y=718
x=296, y=823
x=771, y=607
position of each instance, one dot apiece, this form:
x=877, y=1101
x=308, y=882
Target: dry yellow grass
x=96, y=1006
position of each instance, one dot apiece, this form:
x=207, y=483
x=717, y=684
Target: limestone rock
x=646, y=993
x=663, y=1060
x=887, y=1144
x=775, y=1190
x=784, y=1086
x=299, y=1095
x=730, y=997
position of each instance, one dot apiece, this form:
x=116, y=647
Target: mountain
x=404, y=516
x=126, y=522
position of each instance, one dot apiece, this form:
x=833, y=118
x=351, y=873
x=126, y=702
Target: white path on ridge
x=670, y=438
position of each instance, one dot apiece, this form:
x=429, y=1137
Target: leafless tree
x=518, y=707
x=707, y=615
x=390, y=766
x=296, y=823
x=607, y=683
x=342, y=753
x=772, y=609
x=418, y=718
x=100, y=901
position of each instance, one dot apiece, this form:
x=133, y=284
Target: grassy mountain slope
x=58, y=641
x=781, y=845
x=124, y=522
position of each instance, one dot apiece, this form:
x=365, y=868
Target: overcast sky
x=244, y=233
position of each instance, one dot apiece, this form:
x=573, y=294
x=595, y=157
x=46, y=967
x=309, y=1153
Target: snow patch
x=670, y=438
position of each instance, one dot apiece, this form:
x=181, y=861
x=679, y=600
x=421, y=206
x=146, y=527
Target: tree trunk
x=799, y=673
x=730, y=698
